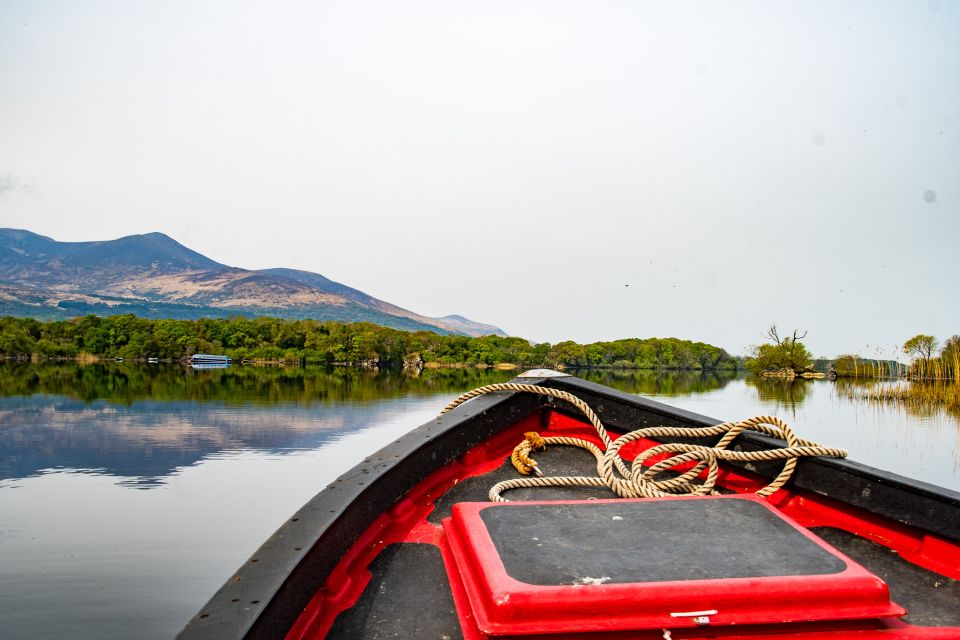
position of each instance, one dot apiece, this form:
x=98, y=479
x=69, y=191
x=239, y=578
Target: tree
x=784, y=353
x=950, y=345
x=950, y=355
x=921, y=347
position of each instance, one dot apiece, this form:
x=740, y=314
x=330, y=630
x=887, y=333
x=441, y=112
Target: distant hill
x=469, y=327
x=154, y=276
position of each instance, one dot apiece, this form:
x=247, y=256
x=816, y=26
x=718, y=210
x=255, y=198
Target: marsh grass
x=858, y=367
x=944, y=368
x=927, y=390
x=927, y=385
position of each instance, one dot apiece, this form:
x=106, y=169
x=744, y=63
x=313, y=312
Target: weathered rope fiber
x=637, y=481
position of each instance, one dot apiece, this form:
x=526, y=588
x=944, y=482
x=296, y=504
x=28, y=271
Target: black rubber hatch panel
x=655, y=541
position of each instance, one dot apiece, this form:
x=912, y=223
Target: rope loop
x=638, y=480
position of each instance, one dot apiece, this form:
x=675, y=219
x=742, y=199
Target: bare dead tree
x=774, y=335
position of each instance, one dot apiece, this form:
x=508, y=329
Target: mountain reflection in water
x=144, y=423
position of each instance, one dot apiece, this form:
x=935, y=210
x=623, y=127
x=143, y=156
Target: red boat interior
x=577, y=562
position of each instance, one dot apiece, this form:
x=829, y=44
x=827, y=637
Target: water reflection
x=127, y=383
x=143, y=424
x=659, y=383
x=82, y=556
x=926, y=406
x=786, y=394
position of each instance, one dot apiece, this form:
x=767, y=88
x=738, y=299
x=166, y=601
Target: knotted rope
x=637, y=481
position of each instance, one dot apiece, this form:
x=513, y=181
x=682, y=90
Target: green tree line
x=312, y=341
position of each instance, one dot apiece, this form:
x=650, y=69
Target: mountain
x=469, y=327
x=153, y=275
x=23, y=253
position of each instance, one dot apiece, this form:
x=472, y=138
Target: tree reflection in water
x=658, y=383
x=126, y=383
x=788, y=394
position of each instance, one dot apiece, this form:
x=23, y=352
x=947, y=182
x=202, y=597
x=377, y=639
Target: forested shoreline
x=315, y=342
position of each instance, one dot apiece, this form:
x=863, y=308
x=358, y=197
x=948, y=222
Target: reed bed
x=855, y=366
x=927, y=385
x=944, y=368
x=923, y=393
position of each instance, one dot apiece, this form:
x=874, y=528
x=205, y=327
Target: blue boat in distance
x=206, y=358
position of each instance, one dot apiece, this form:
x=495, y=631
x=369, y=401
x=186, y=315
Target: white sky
x=735, y=163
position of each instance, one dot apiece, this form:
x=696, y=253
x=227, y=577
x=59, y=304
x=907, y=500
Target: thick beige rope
x=636, y=481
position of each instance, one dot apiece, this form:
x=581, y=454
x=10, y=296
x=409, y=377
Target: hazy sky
x=520, y=163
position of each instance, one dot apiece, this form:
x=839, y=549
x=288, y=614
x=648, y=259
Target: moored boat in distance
x=652, y=522
x=207, y=358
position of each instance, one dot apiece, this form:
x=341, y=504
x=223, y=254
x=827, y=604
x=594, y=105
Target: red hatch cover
x=609, y=565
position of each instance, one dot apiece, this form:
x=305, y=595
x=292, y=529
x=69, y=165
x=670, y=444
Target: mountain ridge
x=152, y=274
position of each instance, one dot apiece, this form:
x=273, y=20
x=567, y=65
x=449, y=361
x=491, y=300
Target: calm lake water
x=128, y=494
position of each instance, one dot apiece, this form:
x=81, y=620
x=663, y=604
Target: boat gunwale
x=265, y=596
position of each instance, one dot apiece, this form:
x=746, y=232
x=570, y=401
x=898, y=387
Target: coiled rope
x=637, y=481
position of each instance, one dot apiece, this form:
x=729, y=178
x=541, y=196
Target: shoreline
x=90, y=359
